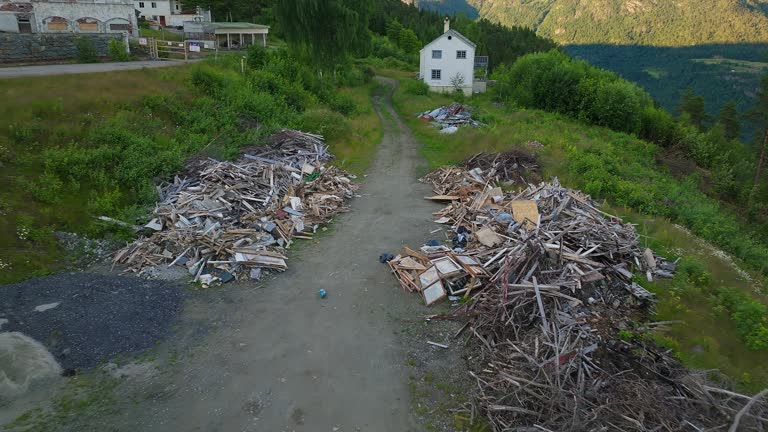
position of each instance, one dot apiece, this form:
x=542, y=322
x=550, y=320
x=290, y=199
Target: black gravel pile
x=97, y=318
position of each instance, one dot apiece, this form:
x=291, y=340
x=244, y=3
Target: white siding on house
x=449, y=64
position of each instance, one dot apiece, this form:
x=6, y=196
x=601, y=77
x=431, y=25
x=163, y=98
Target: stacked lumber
x=229, y=218
x=556, y=288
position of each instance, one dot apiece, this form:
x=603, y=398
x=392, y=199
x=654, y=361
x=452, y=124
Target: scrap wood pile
x=231, y=219
x=550, y=282
x=450, y=117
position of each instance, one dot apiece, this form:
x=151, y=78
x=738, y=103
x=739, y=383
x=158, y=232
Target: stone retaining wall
x=20, y=47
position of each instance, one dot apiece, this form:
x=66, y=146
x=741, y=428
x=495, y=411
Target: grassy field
x=65, y=147
x=53, y=112
x=706, y=338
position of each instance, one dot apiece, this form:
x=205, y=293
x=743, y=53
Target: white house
x=448, y=63
x=68, y=16
x=170, y=12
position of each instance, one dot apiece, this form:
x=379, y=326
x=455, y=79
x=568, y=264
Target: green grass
x=161, y=34
x=707, y=338
x=71, y=153
x=51, y=112
x=355, y=151
x=739, y=66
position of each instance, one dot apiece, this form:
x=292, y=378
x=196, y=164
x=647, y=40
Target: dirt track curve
x=281, y=359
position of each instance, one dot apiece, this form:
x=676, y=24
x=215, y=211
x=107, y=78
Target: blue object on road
x=323, y=294
x=385, y=257
x=433, y=243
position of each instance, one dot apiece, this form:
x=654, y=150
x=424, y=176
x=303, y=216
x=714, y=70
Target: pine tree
x=393, y=31
x=729, y=119
x=328, y=30
x=694, y=107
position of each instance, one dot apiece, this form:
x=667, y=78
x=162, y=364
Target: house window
x=154, y=5
x=461, y=54
x=25, y=26
x=120, y=27
x=177, y=7
x=437, y=54
x=141, y=4
x=436, y=74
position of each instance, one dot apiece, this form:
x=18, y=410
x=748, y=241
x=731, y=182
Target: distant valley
x=717, y=47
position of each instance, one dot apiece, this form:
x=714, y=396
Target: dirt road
x=67, y=69
x=281, y=359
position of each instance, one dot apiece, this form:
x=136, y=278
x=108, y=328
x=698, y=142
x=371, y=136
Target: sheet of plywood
x=488, y=237
x=524, y=209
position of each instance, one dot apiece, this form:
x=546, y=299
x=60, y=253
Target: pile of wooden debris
x=548, y=279
x=233, y=219
x=450, y=117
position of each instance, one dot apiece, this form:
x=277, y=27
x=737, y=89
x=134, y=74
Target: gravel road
x=85, y=319
x=67, y=69
x=285, y=360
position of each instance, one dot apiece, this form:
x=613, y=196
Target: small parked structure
x=229, y=35
x=448, y=63
x=73, y=16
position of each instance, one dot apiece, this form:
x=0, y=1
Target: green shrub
x=86, y=51
x=612, y=104
x=342, y=104
x=749, y=316
x=417, y=88
x=47, y=189
x=116, y=51
x=458, y=95
x=324, y=122
x=257, y=56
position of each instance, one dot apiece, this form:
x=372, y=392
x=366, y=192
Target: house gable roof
x=455, y=34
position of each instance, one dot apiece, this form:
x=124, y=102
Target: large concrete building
x=68, y=16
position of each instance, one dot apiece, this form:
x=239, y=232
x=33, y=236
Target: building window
x=88, y=27
x=177, y=7
x=25, y=26
x=436, y=74
x=119, y=27
x=141, y=4
x=461, y=54
x=57, y=25
x=437, y=54
x=154, y=5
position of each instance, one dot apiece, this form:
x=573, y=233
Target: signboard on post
x=194, y=46
x=143, y=41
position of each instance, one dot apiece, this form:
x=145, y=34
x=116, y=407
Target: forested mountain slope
x=641, y=22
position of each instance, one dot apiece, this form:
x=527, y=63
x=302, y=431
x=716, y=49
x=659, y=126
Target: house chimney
x=446, y=25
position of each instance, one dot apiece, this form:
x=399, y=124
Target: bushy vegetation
x=86, y=51
x=749, y=315
x=116, y=51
